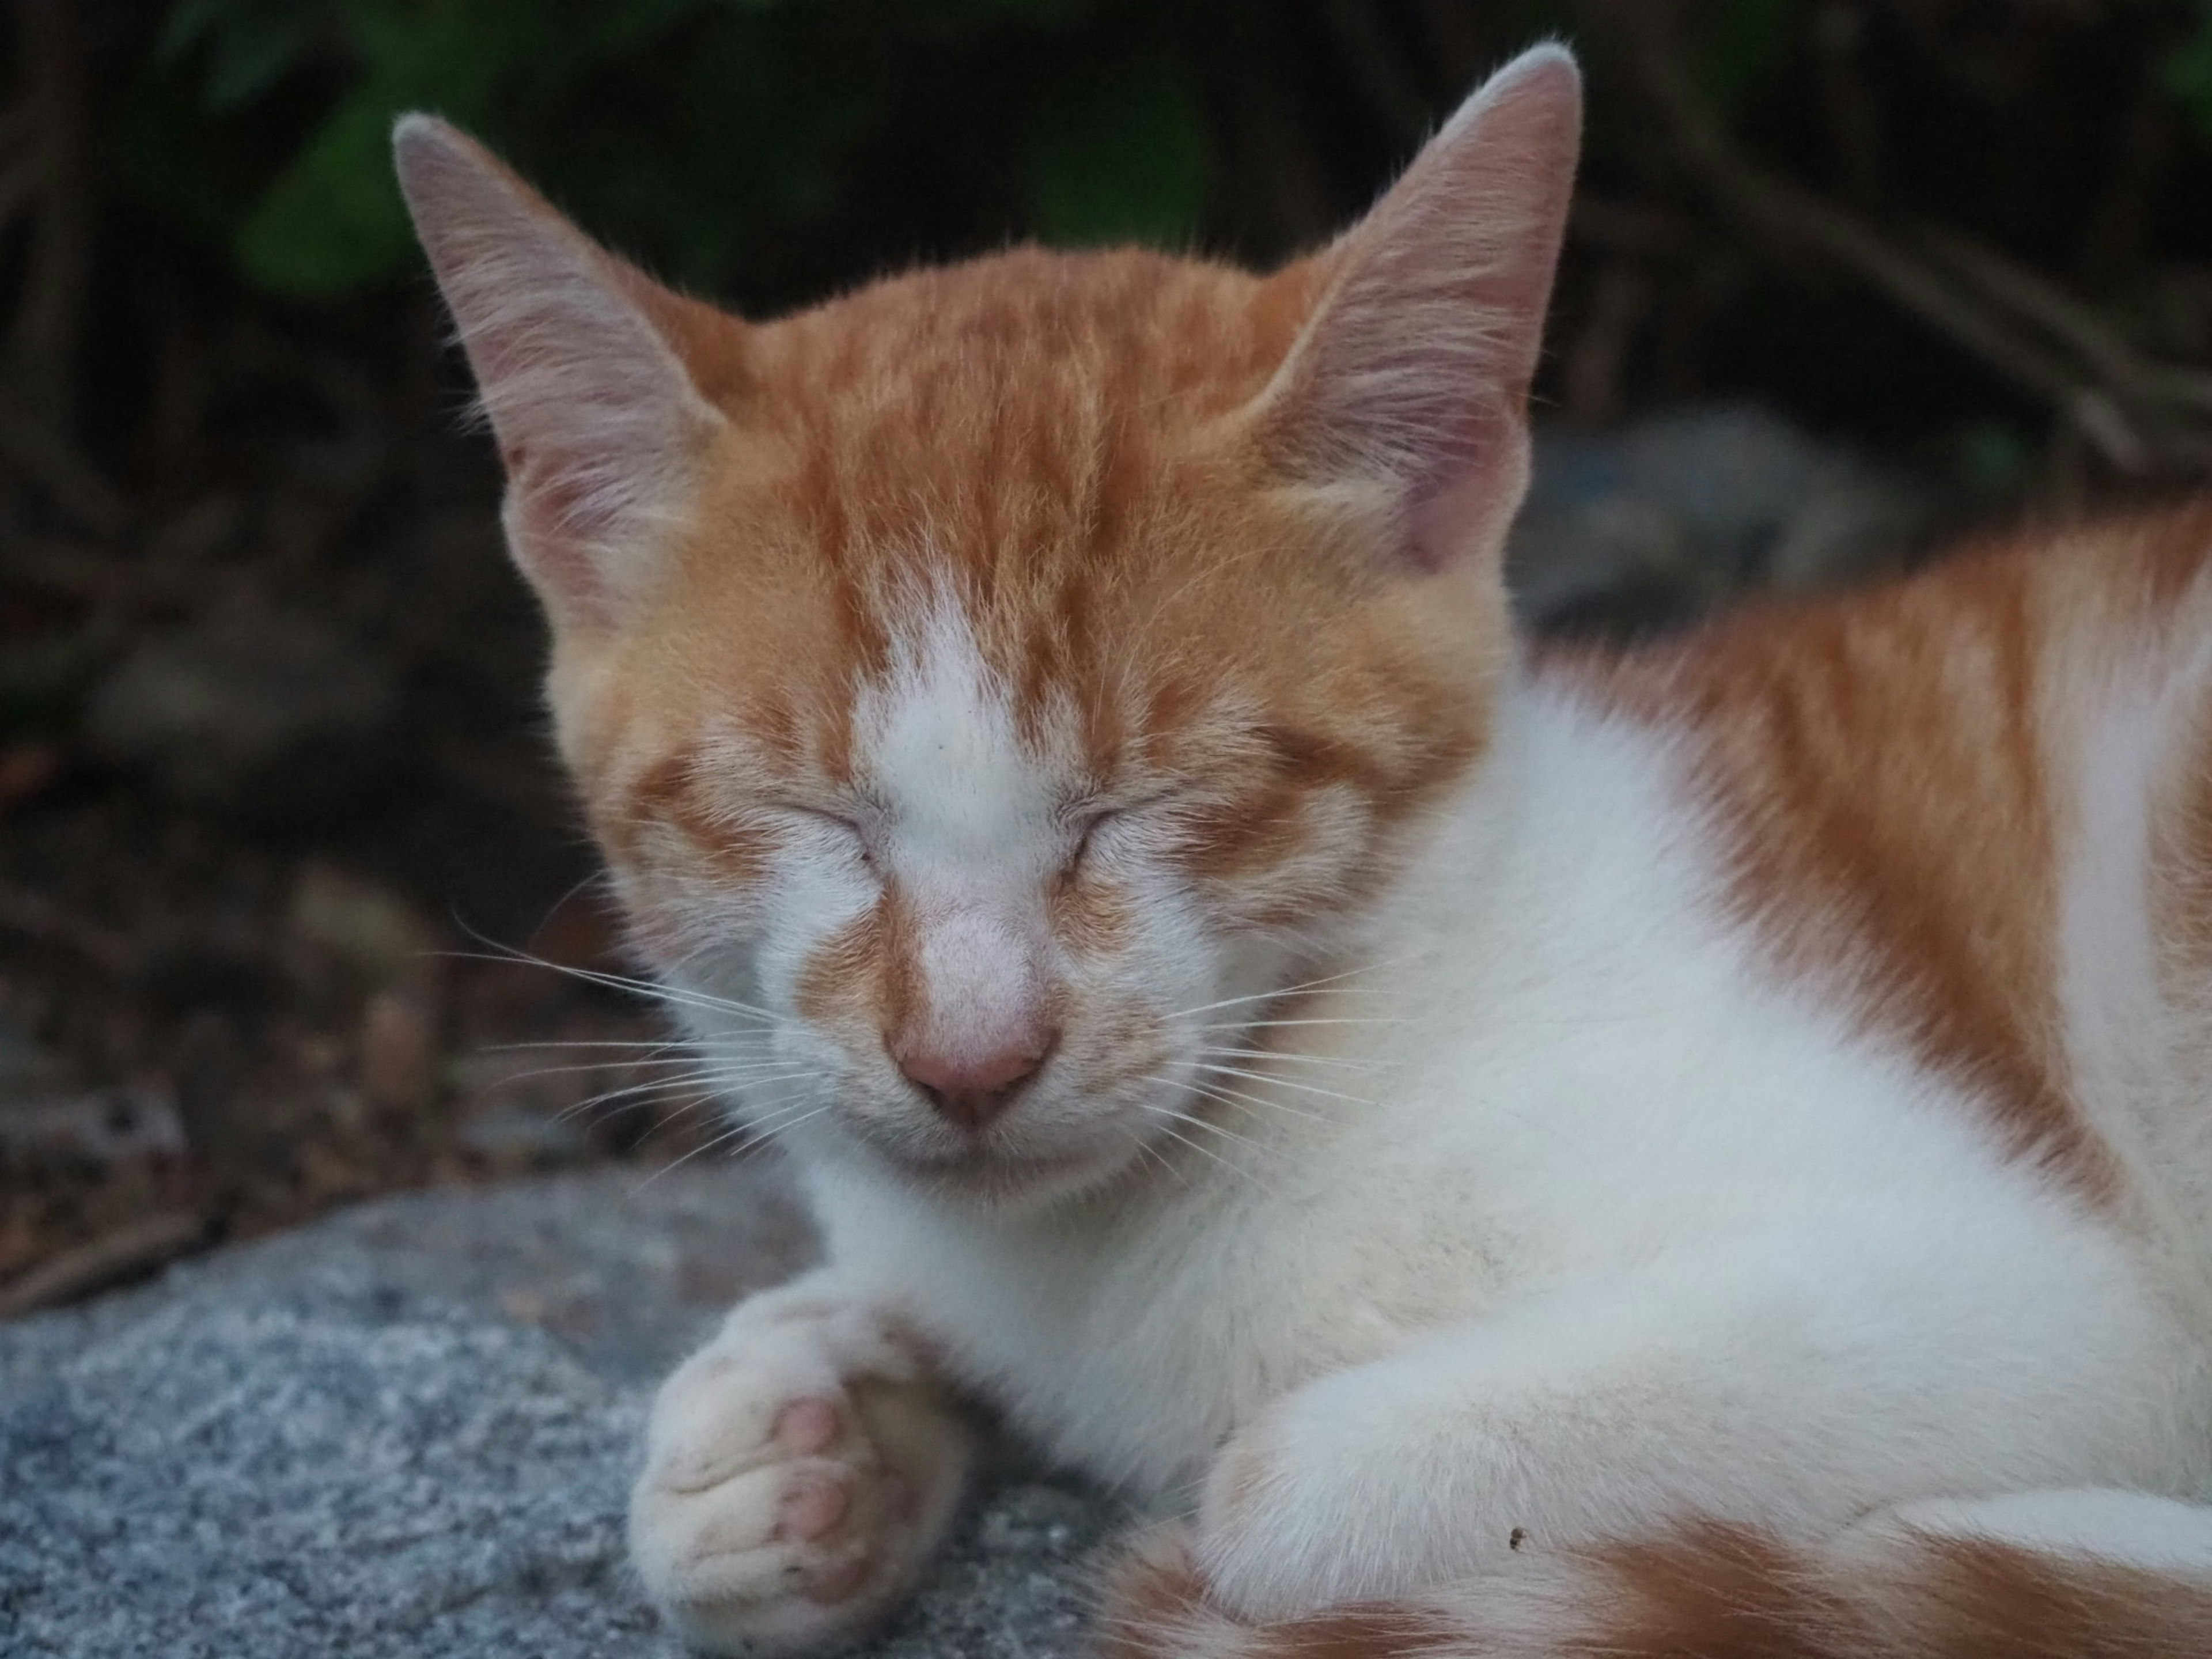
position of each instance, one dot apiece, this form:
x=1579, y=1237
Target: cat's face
x=999, y=719
x=989, y=686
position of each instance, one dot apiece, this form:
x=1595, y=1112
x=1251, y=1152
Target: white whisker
x=716, y=1080
x=1229, y=1094
x=671, y=996
x=1288, y=1083
x=1273, y=1024
x=1294, y=1056
x=1304, y=988
x=722, y=1140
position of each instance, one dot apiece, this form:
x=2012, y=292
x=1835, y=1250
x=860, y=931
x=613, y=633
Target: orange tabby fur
x=1889, y=767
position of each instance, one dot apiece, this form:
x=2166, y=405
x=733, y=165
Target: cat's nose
x=969, y=1088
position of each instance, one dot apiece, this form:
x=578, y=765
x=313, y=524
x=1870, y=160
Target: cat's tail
x=2071, y=1575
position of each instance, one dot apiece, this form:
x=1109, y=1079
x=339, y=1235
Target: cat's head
x=988, y=685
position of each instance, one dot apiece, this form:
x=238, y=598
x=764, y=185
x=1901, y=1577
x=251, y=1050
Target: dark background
x=272, y=797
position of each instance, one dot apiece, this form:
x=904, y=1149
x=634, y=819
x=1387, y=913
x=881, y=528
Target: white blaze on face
x=969, y=842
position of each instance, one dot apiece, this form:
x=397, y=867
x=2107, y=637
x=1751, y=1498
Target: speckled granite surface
x=408, y=1430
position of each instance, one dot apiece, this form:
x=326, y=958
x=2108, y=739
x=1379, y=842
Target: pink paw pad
x=807, y=1426
x=810, y=1509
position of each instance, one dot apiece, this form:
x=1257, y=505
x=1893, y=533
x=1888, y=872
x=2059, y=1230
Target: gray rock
x=105, y=1125
x=409, y=1430
x=1662, y=521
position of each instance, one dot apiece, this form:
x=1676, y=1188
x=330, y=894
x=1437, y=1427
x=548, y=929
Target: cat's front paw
x=799, y=1469
x=1244, y=1542
x=1309, y=1506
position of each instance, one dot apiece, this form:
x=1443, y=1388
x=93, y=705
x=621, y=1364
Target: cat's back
x=1974, y=805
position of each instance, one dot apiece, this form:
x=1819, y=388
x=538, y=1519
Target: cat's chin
x=987, y=1179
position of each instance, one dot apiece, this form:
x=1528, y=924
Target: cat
x=1699, y=1150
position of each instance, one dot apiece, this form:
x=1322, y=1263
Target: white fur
x=2121, y=1528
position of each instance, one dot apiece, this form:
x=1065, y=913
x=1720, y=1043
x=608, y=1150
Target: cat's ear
x=581, y=360
x=1405, y=392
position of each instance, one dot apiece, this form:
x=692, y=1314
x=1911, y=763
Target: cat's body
x=1571, y=1156
x=1584, y=1101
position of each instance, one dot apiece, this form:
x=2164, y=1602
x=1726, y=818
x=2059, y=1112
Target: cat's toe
x=778, y=1558
x=700, y=1443
x=772, y=1526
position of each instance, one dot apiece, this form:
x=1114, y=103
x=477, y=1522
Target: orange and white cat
x=1708, y=1151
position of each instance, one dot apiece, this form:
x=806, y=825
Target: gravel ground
x=408, y=1430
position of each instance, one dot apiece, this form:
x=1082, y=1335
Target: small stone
x=265, y=713
x=1649, y=527
x=370, y=931
x=108, y=1126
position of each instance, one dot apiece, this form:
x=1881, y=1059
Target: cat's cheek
x=672, y=918
x=816, y=909
x=1322, y=856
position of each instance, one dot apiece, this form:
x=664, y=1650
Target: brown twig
x=2137, y=416
x=36, y=449
x=1294, y=200
x=2037, y=300
x=123, y=1252
x=50, y=306
x=36, y=916
x=1627, y=227
x=1851, y=115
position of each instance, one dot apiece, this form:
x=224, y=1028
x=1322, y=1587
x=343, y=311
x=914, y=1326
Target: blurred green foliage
x=703, y=131
x=715, y=135
x=2188, y=71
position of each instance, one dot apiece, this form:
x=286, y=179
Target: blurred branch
x=48, y=312
x=36, y=916
x=132, y=1249
x=32, y=447
x=45, y=175
x=2140, y=417
x=2037, y=300
x=1271, y=146
x=1627, y=227
x=1851, y=112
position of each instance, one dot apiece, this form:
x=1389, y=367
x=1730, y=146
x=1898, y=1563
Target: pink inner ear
x=546, y=511
x=1414, y=370
x=1475, y=484
x=599, y=420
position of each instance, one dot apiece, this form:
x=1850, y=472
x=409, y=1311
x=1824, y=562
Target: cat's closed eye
x=1087, y=832
x=847, y=830
x=1098, y=826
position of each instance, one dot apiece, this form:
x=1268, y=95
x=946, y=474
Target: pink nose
x=970, y=1089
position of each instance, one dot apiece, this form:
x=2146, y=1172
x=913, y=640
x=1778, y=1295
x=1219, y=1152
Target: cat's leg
x=1791, y=1383
x=800, y=1469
